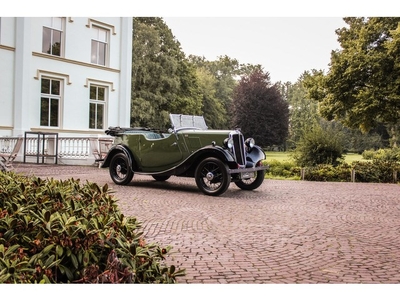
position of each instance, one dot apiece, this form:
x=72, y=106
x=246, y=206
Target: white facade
x=79, y=85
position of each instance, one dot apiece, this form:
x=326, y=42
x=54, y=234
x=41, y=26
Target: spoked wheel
x=252, y=183
x=120, y=170
x=160, y=177
x=212, y=177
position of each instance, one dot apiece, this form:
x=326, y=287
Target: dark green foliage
x=376, y=171
x=372, y=171
x=362, y=86
x=163, y=81
x=341, y=173
x=319, y=146
x=64, y=231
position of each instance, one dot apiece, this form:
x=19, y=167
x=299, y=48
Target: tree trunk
x=394, y=134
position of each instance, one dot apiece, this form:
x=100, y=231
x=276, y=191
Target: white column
x=124, y=105
x=22, y=76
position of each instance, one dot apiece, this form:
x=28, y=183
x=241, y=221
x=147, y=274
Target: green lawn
x=350, y=157
x=279, y=156
x=282, y=156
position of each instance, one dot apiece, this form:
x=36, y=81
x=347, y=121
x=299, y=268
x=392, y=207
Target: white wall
x=7, y=34
x=20, y=105
x=7, y=54
x=6, y=90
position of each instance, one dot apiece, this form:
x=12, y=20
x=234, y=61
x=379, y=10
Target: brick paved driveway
x=283, y=232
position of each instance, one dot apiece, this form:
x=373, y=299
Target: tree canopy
x=259, y=109
x=362, y=87
x=223, y=73
x=303, y=112
x=163, y=81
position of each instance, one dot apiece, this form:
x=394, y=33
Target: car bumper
x=247, y=170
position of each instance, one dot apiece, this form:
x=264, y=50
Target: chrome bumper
x=247, y=170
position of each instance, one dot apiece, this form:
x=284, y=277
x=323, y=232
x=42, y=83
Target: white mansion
x=64, y=75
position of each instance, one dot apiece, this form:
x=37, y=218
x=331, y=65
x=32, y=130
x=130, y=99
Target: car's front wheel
x=252, y=182
x=212, y=177
x=120, y=170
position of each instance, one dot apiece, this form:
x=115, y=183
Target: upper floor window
x=53, y=36
x=97, y=107
x=100, y=38
x=50, y=102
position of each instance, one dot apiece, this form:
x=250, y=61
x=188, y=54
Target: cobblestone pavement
x=283, y=232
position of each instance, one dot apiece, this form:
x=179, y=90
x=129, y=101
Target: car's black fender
x=208, y=151
x=255, y=155
x=118, y=149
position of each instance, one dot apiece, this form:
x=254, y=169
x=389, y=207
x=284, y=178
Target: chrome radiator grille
x=239, y=148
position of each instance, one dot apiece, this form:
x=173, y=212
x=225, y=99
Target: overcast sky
x=284, y=46
x=286, y=37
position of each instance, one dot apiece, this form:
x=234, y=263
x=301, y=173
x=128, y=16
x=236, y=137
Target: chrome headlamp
x=249, y=142
x=228, y=143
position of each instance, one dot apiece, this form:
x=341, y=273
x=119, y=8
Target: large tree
x=260, y=110
x=303, y=112
x=213, y=110
x=163, y=81
x=225, y=72
x=362, y=87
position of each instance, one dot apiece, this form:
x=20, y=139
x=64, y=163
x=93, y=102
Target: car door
x=159, y=154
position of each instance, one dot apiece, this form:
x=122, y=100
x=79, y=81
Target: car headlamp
x=250, y=143
x=228, y=142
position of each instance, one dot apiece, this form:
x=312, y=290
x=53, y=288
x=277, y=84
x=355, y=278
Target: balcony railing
x=70, y=150
x=7, y=144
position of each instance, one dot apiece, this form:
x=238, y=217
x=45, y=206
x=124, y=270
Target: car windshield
x=184, y=121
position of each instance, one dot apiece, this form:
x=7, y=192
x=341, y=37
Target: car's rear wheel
x=212, y=177
x=253, y=182
x=160, y=177
x=120, y=170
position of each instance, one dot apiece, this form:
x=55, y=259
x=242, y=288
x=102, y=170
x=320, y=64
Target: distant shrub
x=340, y=173
x=368, y=154
x=388, y=154
x=376, y=171
x=319, y=146
x=285, y=169
x=371, y=171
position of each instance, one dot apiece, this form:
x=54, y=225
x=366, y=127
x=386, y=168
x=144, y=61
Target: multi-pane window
x=50, y=102
x=99, y=45
x=97, y=107
x=52, y=36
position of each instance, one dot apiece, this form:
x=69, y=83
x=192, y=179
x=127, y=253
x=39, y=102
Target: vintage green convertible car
x=215, y=158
